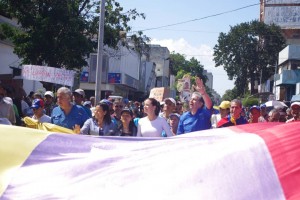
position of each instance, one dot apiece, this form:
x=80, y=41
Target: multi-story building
x=10, y=69
x=287, y=80
x=124, y=72
x=210, y=79
x=161, y=57
x=286, y=14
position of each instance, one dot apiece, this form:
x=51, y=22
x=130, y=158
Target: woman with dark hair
x=127, y=127
x=100, y=124
x=152, y=125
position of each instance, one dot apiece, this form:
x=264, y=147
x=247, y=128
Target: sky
x=192, y=27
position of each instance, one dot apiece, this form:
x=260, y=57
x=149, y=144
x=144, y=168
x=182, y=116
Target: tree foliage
x=181, y=66
x=230, y=95
x=63, y=33
x=179, y=63
x=248, y=52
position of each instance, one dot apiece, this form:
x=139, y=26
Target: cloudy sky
x=192, y=27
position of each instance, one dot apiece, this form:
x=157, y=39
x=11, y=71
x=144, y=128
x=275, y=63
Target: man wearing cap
x=224, y=108
x=78, y=98
x=49, y=102
x=38, y=111
x=174, y=121
x=198, y=118
x=254, y=114
x=264, y=117
x=295, y=111
x=168, y=107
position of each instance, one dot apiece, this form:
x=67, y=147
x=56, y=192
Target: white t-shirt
x=147, y=128
x=42, y=119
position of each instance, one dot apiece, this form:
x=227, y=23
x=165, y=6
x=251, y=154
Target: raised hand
x=200, y=87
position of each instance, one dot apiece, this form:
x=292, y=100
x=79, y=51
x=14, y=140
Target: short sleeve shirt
x=77, y=115
x=199, y=121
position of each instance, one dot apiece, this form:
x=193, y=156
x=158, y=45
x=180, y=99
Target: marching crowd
x=114, y=117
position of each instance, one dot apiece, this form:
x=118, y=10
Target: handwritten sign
x=159, y=93
x=48, y=74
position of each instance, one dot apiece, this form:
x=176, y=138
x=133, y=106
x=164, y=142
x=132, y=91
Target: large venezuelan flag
x=255, y=161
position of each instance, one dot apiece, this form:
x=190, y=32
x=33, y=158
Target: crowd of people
x=151, y=118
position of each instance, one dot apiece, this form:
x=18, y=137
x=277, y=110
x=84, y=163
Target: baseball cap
x=295, y=104
x=80, y=92
x=174, y=114
x=263, y=105
x=254, y=107
x=37, y=103
x=170, y=99
x=225, y=105
x=87, y=103
x=108, y=102
x=126, y=109
x=49, y=93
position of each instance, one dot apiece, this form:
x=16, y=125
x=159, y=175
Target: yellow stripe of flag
x=17, y=143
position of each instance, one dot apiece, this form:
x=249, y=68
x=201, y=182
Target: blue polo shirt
x=199, y=121
x=77, y=115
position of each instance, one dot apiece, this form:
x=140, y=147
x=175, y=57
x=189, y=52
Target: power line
x=209, y=16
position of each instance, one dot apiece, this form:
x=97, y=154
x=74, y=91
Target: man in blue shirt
x=66, y=114
x=198, y=118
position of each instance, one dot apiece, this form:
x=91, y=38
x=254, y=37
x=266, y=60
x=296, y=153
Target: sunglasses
x=118, y=106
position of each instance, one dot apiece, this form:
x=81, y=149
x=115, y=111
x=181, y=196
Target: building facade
x=284, y=13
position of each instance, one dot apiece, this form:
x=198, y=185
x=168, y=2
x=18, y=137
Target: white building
x=10, y=66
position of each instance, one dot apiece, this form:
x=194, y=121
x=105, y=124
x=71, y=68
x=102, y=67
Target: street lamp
x=163, y=72
x=100, y=53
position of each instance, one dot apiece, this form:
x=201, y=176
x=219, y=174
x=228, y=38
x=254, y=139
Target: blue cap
x=37, y=103
x=87, y=103
x=106, y=101
x=255, y=107
x=263, y=105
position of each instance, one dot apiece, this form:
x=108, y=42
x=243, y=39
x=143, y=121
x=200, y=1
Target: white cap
x=49, y=93
x=79, y=91
x=170, y=99
x=295, y=104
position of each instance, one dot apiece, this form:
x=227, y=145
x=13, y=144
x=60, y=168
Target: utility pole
x=100, y=53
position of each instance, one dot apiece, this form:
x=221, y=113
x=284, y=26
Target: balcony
x=287, y=77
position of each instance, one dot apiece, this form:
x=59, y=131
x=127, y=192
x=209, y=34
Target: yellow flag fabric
x=13, y=156
x=32, y=123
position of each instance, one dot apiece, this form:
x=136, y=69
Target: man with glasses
x=117, y=107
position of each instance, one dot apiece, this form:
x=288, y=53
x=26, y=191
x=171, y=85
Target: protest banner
x=48, y=74
x=159, y=93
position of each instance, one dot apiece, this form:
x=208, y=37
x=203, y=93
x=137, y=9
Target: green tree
x=179, y=63
x=249, y=52
x=62, y=33
x=180, y=66
x=230, y=95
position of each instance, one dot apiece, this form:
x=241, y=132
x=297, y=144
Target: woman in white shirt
x=152, y=125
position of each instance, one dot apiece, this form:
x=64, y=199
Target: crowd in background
x=121, y=117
